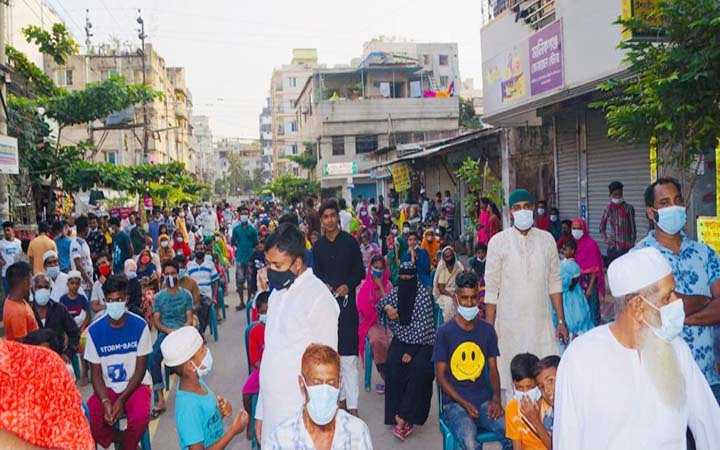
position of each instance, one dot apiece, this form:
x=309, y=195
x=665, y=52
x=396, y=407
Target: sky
x=230, y=47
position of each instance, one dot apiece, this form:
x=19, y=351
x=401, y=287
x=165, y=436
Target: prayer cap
x=74, y=274
x=637, y=270
x=49, y=254
x=180, y=345
x=520, y=195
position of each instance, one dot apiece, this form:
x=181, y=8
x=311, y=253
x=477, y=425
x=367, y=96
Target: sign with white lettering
x=546, y=59
x=9, y=160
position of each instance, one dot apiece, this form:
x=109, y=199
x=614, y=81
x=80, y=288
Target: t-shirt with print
x=117, y=349
x=10, y=251
x=204, y=275
x=76, y=306
x=466, y=354
x=197, y=418
x=79, y=248
x=173, y=307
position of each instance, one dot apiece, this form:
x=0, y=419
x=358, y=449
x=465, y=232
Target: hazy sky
x=230, y=47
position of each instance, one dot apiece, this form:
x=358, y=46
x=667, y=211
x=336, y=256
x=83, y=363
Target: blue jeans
x=156, y=360
x=465, y=428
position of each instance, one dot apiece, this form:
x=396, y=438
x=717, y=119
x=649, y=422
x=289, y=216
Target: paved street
x=229, y=373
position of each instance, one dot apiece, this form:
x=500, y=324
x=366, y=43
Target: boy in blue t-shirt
x=198, y=412
x=76, y=303
x=465, y=357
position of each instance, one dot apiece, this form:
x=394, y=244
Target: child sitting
x=256, y=345
x=76, y=303
x=577, y=310
x=518, y=427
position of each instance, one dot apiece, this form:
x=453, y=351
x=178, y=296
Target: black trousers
x=408, y=387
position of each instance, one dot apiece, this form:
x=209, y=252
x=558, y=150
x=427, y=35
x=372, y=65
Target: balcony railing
x=535, y=13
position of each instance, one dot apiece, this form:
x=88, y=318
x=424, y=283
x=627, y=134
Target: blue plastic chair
x=144, y=440
x=246, y=333
x=214, y=322
x=248, y=309
x=221, y=301
x=449, y=440
x=75, y=361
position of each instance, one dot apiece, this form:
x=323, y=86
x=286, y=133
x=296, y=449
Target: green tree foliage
x=480, y=183
x=673, y=94
x=57, y=43
x=468, y=119
x=290, y=188
x=306, y=159
x=37, y=83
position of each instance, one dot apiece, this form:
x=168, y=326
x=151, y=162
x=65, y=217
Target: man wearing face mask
x=542, y=218
x=521, y=272
x=638, y=360
x=199, y=412
x=58, y=280
x=617, y=226
x=320, y=424
x=696, y=268
x=465, y=357
x=244, y=239
x=117, y=348
x=301, y=311
x=54, y=316
x=205, y=275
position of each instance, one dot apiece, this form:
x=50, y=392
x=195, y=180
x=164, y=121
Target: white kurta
x=520, y=273
x=303, y=314
x=604, y=399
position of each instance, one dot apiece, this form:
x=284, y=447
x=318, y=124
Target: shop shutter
x=567, y=182
x=610, y=161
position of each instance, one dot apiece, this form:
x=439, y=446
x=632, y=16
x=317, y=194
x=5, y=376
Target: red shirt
x=256, y=344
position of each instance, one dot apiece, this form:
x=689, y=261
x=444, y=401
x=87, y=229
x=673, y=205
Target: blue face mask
x=468, y=313
x=377, y=273
x=263, y=318
x=672, y=219
x=322, y=402
x=115, y=310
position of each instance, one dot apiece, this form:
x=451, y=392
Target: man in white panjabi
x=522, y=283
x=633, y=384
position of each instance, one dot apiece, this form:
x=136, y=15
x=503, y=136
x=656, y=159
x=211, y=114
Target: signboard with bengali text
x=9, y=161
x=546, y=59
x=401, y=177
x=708, y=231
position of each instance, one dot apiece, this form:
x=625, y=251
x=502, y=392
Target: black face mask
x=200, y=256
x=280, y=279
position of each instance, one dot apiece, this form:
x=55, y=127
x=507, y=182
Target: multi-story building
x=266, y=140
x=248, y=150
x=542, y=64
x=21, y=14
x=120, y=139
x=202, y=142
x=285, y=86
x=403, y=94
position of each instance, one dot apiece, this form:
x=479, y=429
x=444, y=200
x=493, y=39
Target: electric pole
x=4, y=179
x=88, y=48
x=141, y=52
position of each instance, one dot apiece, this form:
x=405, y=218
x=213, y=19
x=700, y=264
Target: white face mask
x=541, y=211
x=616, y=201
x=533, y=394
x=42, y=297
x=577, y=234
x=523, y=219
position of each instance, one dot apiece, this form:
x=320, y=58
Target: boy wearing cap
x=76, y=303
x=198, y=412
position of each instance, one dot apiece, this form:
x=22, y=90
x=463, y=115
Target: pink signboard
x=546, y=59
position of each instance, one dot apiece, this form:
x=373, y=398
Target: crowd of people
x=517, y=333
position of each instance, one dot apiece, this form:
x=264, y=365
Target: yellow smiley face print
x=467, y=362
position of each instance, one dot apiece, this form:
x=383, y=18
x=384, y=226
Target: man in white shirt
x=58, y=279
x=633, y=384
x=301, y=311
x=80, y=257
x=10, y=251
x=320, y=424
x=205, y=274
x=345, y=216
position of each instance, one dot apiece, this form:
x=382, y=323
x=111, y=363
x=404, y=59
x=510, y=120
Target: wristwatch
x=561, y=322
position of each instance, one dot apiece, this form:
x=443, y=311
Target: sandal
x=157, y=412
x=399, y=432
x=408, y=430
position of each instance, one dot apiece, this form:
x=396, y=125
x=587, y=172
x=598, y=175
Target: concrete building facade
x=383, y=101
x=266, y=139
x=120, y=138
x=285, y=86
x=249, y=152
x=202, y=142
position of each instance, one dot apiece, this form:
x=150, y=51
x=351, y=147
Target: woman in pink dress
x=489, y=221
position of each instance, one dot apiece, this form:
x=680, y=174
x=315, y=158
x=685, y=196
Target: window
x=296, y=171
x=443, y=81
x=443, y=60
x=111, y=157
x=64, y=77
x=338, y=145
x=292, y=82
x=293, y=149
x=281, y=130
x=366, y=144
x=293, y=126
x=426, y=60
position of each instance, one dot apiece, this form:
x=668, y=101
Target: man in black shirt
x=338, y=263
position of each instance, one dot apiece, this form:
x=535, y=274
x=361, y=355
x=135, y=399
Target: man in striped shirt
x=202, y=270
x=617, y=226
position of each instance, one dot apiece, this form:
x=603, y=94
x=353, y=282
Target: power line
x=70, y=17
x=102, y=2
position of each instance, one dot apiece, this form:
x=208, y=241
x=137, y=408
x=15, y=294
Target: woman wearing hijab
x=147, y=273
x=393, y=258
x=180, y=246
x=431, y=244
x=489, y=221
x=409, y=370
x=444, y=282
x=368, y=249
x=590, y=260
x=165, y=251
x=375, y=286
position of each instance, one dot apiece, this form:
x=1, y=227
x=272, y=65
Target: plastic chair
x=221, y=301
x=75, y=361
x=368, y=364
x=144, y=440
x=449, y=440
x=254, y=444
x=214, y=322
x=248, y=309
x=246, y=333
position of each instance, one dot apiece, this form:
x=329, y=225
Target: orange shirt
x=18, y=319
x=40, y=403
x=37, y=248
x=517, y=429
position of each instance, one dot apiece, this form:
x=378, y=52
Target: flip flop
x=157, y=412
x=399, y=432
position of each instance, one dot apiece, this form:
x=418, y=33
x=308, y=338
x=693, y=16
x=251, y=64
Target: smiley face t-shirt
x=466, y=354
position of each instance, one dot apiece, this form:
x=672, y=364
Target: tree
x=480, y=182
x=468, y=118
x=57, y=43
x=306, y=159
x=672, y=98
x=290, y=188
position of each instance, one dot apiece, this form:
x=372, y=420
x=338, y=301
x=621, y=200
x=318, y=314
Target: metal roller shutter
x=568, y=181
x=610, y=161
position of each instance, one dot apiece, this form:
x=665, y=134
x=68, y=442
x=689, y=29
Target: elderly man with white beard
x=633, y=384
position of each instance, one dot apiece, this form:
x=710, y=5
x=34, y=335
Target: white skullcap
x=74, y=274
x=637, y=270
x=180, y=345
x=49, y=254
x=130, y=264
